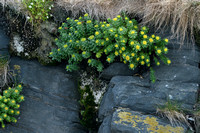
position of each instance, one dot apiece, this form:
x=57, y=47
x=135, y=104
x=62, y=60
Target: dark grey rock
x=139, y=95
x=178, y=72
x=117, y=69
x=128, y=121
x=4, y=42
x=106, y=125
x=51, y=100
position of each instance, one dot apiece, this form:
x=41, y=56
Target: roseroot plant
x=10, y=104
x=118, y=38
x=39, y=10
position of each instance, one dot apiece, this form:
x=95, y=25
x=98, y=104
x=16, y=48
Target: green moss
x=88, y=111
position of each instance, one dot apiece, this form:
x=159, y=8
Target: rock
x=141, y=95
x=117, y=69
x=128, y=121
x=51, y=100
x=4, y=41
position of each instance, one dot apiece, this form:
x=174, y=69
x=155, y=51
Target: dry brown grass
x=3, y=71
x=176, y=118
x=182, y=16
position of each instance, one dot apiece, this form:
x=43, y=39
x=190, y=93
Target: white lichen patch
x=18, y=44
x=97, y=86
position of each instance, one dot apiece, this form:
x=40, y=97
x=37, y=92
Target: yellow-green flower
x=120, y=29
x=133, y=32
x=120, y=51
x=91, y=37
x=166, y=40
x=132, y=54
x=123, y=48
x=89, y=21
x=135, y=26
x=138, y=59
x=79, y=23
x=108, y=59
x=116, y=53
x=115, y=19
x=97, y=41
x=145, y=36
x=111, y=30
x=89, y=61
x=83, y=52
x=159, y=51
x=157, y=38
x=116, y=45
x=58, y=50
x=153, y=36
x=73, y=56
x=131, y=66
x=144, y=28
x=6, y=108
x=103, y=26
x=142, y=32
x=60, y=28
x=68, y=18
x=65, y=46
x=102, y=43
x=137, y=47
x=142, y=62
x=165, y=49
x=76, y=20
x=56, y=39
x=132, y=43
x=150, y=40
x=123, y=41
x=158, y=63
x=116, y=35
x=142, y=57
x=130, y=22
x=168, y=61
x=147, y=60
x=127, y=58
x=107, y=39
x=96, y=26
x=124, y=62
x=144, y=42
x=83, y=39
x=108, y=25
x=86, y=15
x=118, y=16
x=96, y=33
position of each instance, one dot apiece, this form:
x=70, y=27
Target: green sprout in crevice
x=88, y=110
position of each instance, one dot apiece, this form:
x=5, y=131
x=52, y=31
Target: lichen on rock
x=126, y=119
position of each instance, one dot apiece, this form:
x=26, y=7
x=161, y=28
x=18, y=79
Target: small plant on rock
x=9, y=104
x=99, y=42
x=38, y=10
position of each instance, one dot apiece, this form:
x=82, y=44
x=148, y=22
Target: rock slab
x=128, y=121
x=51, y=100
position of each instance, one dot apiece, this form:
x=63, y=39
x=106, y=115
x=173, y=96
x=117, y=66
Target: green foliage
x=38, y=10
x=118, y=38
x=9, y=104
x=88, y=110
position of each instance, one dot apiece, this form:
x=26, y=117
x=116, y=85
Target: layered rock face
x=177, y=82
